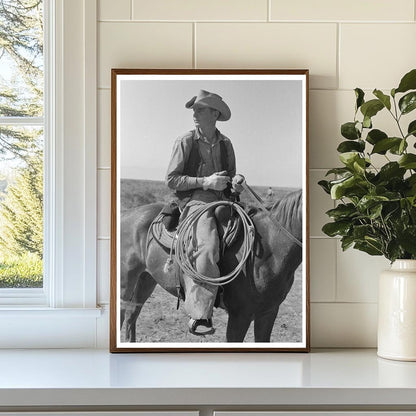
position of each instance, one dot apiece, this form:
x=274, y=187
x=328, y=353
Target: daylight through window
x=21, y=143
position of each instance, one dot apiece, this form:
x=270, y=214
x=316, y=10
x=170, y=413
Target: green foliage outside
x=22, y=271
x=21, y=147
x=21, y=213
x=376, y=212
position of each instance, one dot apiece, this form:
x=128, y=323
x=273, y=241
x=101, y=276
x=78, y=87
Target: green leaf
x=369, y=201
x=338, y=189
x=383, y=145
x=359, y=166
x=407, y=240
x=346, y=242
x=371, y=108
x=408, y=102
x=359, y=95
x=367, y=122
x=393, y=250
x=375, y=211
x=402, y=147
x=349, y=146
x=385, y=99
x=349, y=131
x=374, y=136
x=333, y=229
x=342, y=211
x=368, y=248
x=398, y=149
x=411, y=130
x=408, y=82
x=349, y=158
x=360, y=231
x=408, y=161
x=391, y=170
x=338, y=171
x=325, y=186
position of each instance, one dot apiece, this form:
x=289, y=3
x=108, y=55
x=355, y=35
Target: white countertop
x=96, y=377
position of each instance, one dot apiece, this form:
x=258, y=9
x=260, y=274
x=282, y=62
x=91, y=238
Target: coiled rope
x=185, y=234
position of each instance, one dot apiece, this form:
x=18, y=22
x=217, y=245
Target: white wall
x=345, y=44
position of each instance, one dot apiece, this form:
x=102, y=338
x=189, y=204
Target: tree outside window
x=21, y=143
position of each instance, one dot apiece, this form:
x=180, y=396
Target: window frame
x=68, y=298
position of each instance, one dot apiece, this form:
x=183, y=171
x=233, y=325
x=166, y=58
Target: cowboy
x=201, y=167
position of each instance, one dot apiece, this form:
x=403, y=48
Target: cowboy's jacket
x=185, y=174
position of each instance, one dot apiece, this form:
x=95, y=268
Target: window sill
x=37, y=327
x=35, y=311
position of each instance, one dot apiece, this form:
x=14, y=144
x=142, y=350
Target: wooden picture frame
x=152, y=113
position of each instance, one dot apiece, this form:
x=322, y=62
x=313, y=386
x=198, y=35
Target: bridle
x=261, y=205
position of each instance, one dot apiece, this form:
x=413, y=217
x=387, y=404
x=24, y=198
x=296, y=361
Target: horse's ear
x=252, y=211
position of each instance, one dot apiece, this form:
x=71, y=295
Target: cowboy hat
x=208, y=99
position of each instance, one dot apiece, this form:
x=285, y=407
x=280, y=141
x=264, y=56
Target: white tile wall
x=345, y=44
x=344, y=325
x=114, y=10
x=387, y=52
x=142, y=45
x=357, y=275
x=104, y=128
x=341, y=10
x=104, y=202
x=260, y=45
x=323, y=269
x=200, y=10
x=103, y=271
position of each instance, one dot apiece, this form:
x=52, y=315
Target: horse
x=257, y=292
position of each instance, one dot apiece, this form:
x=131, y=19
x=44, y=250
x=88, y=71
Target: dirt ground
x=159, y=321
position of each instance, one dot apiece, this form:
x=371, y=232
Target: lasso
x=184, y=236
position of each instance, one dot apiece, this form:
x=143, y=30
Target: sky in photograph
x=265, y=126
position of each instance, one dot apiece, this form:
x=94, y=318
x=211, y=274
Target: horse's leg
x=129, y=279
x=237, y=327
x=263, y=324
x=144, y=288
x=122, y=316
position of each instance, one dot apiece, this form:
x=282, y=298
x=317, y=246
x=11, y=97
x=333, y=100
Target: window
x=63, y=313
x=22, y=128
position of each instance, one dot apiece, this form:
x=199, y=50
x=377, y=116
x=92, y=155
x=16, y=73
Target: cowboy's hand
x=217, y=181
x=238, y=182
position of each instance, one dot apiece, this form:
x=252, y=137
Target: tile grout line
x=336, y=271
x=131, y=9
x=269, y=11
x=254, y=21
x=355, y=302
x=338, y=63
x=194, y=63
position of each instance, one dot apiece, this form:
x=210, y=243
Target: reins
x=262, y=206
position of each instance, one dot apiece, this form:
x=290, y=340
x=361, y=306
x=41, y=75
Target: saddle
x=164, y=226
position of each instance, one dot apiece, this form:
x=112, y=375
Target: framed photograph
x=209, y=211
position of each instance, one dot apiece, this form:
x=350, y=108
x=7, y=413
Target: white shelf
x=57, y=378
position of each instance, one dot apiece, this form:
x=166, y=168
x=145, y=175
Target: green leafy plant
x=376, y=210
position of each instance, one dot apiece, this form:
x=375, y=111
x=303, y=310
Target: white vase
x=397, y=312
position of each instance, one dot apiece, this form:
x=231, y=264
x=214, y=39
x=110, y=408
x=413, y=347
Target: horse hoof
x=201, y=326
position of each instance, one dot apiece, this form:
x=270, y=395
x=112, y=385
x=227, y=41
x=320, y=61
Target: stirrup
x=201, y=326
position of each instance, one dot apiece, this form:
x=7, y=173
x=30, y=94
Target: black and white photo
x=209, y=244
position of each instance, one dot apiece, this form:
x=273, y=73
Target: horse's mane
x=289, y=208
